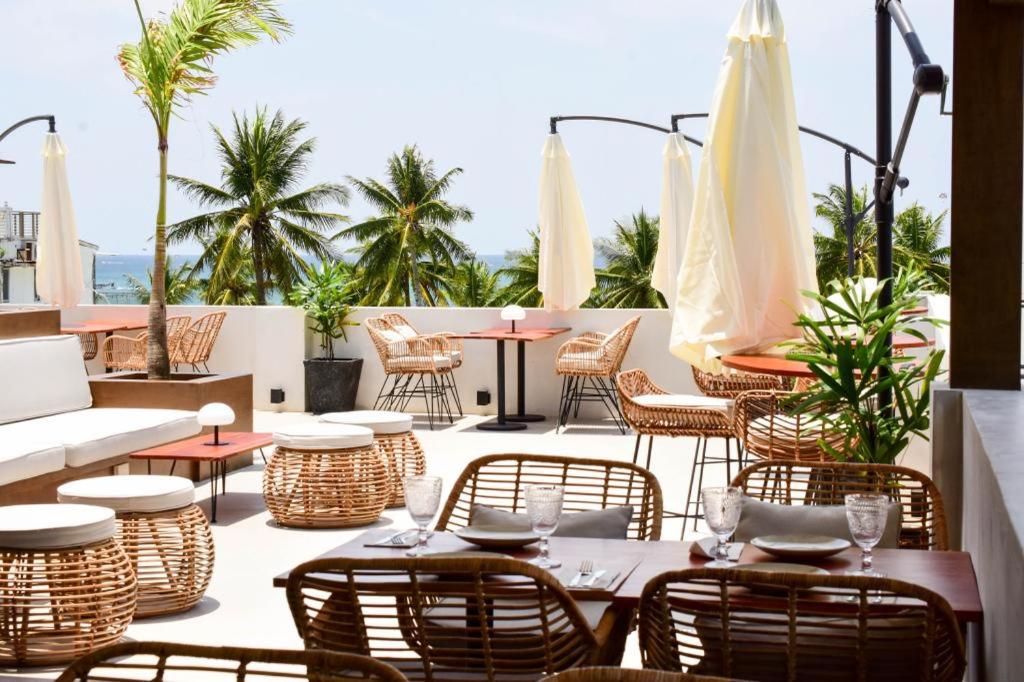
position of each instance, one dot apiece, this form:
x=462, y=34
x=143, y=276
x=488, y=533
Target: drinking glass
x=544, y=507
x=866, y=514
x=422, y=498
x=722, y=513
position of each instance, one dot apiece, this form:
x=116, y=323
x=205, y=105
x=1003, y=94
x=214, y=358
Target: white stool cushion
x=323, y=436
x=130, y=493
x=54, y=526
x=379, y=421
x=723, y=405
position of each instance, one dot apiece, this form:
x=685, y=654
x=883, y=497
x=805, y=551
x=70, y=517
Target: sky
x=472, y=82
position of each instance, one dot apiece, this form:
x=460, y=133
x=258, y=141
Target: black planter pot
x=331, y=385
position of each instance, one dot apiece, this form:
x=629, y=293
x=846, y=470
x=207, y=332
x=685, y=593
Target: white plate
x=800, y=546
x=497, y=538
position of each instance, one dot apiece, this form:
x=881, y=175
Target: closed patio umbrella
x=58, y=261
x=676, y=206
x=566, y=265
x=749, y=251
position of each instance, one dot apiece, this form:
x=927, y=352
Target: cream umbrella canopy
x=565, y=273
x=58, y=261
x=749, y=251
x=676, y=206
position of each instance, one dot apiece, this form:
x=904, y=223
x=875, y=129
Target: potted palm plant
x=331, y=382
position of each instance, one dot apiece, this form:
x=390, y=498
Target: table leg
x=502, y=424
x=521, y=415
x=213, y=490
x=149, y=466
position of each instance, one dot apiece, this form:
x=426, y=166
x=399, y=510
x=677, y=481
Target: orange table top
x=101, y=326
x=778, y=365
x=195, y=448
x=520, y=334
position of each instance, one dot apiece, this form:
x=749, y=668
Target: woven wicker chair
x=588, y=365
x=700, y=417
x=499, y=481
x=455, y=351
x=165, y=662
x=789, y=626
x=923, y=514
x=731, y=385
x=413, y=367
x=608, y=674
x=767, y=431
x=129, y=354
x=446, y=618
x=197, y=342
x=90, y=346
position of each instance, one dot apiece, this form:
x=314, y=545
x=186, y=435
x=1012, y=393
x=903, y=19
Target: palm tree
x=472, y=285
x=409, y=242
x=916, y=238
x=169, y=65
x=258, y=207
x=625, y=281
x=830, y=245
x=178, y=284
x=234, y=283
x=521, y=270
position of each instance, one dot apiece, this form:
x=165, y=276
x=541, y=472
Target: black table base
x=517, y=421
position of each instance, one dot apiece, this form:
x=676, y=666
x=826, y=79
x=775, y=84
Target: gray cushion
x=610, y=524
x=768, y=518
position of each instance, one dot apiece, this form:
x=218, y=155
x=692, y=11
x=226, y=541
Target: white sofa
x=48, y=423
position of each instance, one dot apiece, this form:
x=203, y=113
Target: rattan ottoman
x=165, y=535
x=392, y=432
x=326, y=476
x=66, y=586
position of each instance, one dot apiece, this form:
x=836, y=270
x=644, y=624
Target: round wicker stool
x=326, y=476
x=392, y=432
x=66, y=586
x=166, y=536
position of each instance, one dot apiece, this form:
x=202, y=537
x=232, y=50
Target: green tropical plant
x=471, y=284
x=325, y=297
x=845, y=347
x=259, y=209
x=179, y=284
x=917, y=235
x=625, y=280
x=168, y=66
x=521, y=271
x=830, y=246
x=234, y=282
x=404, y=248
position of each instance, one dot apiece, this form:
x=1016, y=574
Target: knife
x=594, y=578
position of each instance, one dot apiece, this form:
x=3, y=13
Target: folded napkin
x=605, y=580
x=404, y=539
x=705, y=547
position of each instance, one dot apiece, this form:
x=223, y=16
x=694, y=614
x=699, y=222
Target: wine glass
x=422, y=498
x=722, y=508
x=544, y=507
x=866, y=515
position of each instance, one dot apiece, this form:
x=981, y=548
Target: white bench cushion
x=321, y=436
x=22, y=458
x=130, y=493
x=49, y=374
x=379, y=421
x=723, y=405
x=100, y=432
x=53, y=526
x=439, y=361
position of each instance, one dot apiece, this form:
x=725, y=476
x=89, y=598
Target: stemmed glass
x=722, y=513
x=866, y=514
x=544, y=507
x=422, y=498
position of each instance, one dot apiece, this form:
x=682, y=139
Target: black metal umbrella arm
x=49, y=118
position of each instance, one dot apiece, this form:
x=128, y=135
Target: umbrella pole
x=883, y=155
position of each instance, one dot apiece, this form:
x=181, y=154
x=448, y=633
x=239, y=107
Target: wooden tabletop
x=101, y=326
x=234, y=443
x=520, y=334
x=778, y=365
x=950, y=574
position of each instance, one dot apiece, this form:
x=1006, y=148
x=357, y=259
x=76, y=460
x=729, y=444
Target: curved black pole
x=31, y=119
x=611, y=119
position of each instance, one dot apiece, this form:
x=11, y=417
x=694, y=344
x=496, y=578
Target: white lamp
x=513, y=312
x=215, y=415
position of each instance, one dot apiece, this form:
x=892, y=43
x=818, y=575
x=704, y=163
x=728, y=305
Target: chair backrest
x=90, y=346
x=767, y=430
x=177, y=325
x=383, y=336
x=401, y=325
x=442, y=617
x=675, y=420
x=609, y=674
x=160, y=662
x=617, y=343
x=197, y=341
x=731, y=385
x=789, y=626
x=500, y=481
x=922, y=513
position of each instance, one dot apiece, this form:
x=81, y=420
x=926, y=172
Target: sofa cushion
x=768, y=518
x=52, y=366
x=610, y=523
x=22, y=458
x=101, y=432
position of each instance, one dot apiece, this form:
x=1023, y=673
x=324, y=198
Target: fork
x=585, y=569
x=398, y=538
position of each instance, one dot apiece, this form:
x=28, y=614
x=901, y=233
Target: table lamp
x=513, y=312
x=215, y=415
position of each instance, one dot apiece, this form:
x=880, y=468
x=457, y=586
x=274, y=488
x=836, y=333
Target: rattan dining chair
x=499, y=481
x=791, y=626
x=90, y=346
x=652, y=411
x=731, y=385
x=767, y=430
x=454, y=351
x=922, y=513
x=588, y=365
x=165, y=662
x=197, y=342
x=610, y=674
x=450, y=617
x=129, y=353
